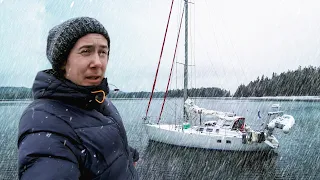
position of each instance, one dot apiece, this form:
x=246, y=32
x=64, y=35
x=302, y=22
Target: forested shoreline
x=300, y=82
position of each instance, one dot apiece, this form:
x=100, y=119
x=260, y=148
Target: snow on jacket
x=66, y=134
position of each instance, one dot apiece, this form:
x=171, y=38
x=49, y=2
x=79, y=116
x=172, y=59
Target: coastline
x=265, y=98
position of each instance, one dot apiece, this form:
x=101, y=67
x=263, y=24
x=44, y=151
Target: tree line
x=300, y=82
x=194, y=92
x=9, y=93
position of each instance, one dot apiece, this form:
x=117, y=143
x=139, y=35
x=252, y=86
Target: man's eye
x=84, y=52
x=103, y=52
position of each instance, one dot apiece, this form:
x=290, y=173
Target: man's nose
x=96, y=62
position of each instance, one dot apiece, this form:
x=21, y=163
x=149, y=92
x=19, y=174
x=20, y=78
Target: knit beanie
x=64, y=36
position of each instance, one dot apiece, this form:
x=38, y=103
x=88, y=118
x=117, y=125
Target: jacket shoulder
x=45, y=116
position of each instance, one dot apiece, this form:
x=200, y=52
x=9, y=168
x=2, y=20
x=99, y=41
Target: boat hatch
x=239, y=124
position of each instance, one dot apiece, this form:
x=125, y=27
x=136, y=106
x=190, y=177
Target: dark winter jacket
x=66, y=134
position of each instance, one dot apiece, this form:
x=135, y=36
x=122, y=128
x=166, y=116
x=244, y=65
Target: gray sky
x=232, y=42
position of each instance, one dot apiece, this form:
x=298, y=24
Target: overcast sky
x=231, y=42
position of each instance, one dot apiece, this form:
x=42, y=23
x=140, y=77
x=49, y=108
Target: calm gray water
x=297, y=157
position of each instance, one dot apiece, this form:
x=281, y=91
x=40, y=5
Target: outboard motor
x=244, y=138
x=286, y=129
x=261, y=137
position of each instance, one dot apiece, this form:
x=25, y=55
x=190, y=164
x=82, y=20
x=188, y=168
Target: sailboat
x=220, y=131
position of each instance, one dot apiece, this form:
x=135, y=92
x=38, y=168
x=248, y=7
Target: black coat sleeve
x=44, y=150
x=134, y=153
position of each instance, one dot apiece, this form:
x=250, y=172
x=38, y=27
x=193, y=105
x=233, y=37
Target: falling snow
x=71, y=5
x=32, y=113
x=294, y=40
x=292, y=161
x=48, y=134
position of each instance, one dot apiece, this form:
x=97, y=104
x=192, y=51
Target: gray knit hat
x=64, y=36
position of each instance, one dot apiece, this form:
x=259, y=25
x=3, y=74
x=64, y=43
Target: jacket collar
x=48, y=85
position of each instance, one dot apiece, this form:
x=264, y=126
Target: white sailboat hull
x=191, y=138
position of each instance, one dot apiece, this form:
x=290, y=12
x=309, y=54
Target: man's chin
x=91, y=82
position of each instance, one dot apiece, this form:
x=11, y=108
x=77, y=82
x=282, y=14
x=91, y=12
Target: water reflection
x=14, y=103
x=162, y=161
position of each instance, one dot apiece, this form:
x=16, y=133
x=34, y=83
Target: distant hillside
x=10, y=93
x=301, y=82
x=141, y=94
x=194, y=92
x=201, y=92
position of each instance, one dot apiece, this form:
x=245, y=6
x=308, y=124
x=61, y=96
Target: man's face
x=88, y=60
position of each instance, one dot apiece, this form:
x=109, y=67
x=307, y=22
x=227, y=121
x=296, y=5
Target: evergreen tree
x=301, y=82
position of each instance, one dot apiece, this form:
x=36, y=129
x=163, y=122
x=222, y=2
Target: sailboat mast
x=185, y=88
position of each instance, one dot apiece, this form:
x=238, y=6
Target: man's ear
x=64, y=64
x=63, y=67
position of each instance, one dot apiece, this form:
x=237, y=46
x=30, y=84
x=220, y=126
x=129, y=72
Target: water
x=296, y=158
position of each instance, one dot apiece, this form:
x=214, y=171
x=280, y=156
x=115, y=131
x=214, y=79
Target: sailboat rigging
x=222, y=130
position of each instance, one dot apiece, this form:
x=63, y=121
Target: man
x=71, y=130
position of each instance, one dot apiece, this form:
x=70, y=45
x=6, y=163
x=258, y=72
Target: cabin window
x=238, y=124
x=228, y=142
x=209, y=130
x=219, y=141
x=210, y=124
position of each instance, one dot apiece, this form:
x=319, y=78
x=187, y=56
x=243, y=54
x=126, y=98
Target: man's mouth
x=93, y=77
